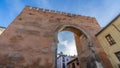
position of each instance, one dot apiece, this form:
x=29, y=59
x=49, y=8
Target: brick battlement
x=57, y=12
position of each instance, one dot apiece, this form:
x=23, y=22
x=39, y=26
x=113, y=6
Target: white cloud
x=65, y=43
x=70, y=47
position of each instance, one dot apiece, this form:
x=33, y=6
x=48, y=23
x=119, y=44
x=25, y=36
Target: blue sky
x=66, y=43
x=103, y=10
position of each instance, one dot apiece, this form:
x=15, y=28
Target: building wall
x=67, y=59
x=114, y=30
x=1, y=30
x=31, y=39
x=73, y=63
x=60, y=61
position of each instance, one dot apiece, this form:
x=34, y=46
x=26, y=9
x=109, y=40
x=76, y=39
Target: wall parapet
x=57, y=12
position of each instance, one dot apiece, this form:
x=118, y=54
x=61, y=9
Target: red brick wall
x=30, y=40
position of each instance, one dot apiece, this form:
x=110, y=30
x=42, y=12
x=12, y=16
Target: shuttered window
x=110, y=40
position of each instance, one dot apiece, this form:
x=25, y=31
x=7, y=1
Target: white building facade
x=1, y=29
x=62, y=60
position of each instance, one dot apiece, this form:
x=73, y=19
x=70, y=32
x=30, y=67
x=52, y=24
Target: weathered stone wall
x=30, y=41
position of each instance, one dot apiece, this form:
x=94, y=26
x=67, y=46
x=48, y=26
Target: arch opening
x=66, y=43
x=82, y=44
x=66, y=48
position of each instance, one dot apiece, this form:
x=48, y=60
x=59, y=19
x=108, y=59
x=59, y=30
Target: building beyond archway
x=31, y=40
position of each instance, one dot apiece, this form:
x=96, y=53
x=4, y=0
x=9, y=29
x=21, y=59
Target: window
x=63, y=65
x=73, y=65
x=118, y=55
x=110, y=39
x=67, y=59
x=63, y=59
x=77, y=62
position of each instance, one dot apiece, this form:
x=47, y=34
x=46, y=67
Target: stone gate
x=30, y=41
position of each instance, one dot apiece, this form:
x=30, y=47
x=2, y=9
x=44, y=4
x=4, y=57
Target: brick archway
x=78, y=32
x=31, y=38
x=72, y=28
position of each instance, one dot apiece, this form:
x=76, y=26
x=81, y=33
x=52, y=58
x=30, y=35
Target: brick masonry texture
x=30, y=40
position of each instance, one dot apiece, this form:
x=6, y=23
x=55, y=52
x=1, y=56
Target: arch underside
x=86, y=52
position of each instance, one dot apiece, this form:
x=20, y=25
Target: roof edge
x=108, y=24
x=72, y=60
x=2, y=27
